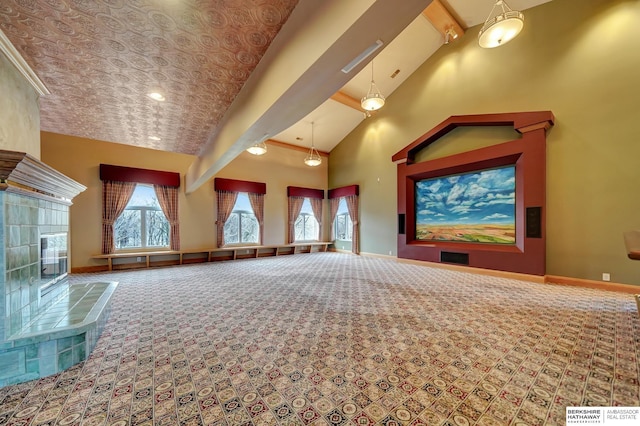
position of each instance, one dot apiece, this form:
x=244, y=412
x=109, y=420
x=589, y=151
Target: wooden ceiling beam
x=347, y=100
x=281, y=144
x=441, y=19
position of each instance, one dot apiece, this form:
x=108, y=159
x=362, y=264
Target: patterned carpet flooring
x=338, y=339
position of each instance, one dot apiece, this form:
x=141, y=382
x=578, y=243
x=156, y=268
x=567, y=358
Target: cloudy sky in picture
x=479, y=197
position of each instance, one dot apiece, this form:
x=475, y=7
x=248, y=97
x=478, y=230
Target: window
x=306, y=225
x=242, y=226
x=343, y=225
x=142, y=224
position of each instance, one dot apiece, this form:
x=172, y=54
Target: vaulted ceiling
x=231, y=71
x=100, y=59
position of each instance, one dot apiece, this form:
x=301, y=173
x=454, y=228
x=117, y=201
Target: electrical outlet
x=606, y=276
x=390, y=253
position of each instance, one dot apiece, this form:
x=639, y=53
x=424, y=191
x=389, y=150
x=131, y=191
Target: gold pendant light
x=373, y=100
x=313, y=159
x=502, y=27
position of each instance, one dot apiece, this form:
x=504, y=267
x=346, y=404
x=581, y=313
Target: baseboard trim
x=547, y=279
x=381, y=256
x=89, y=269
x=600, y=285
x=460, y=268
x=336, y=250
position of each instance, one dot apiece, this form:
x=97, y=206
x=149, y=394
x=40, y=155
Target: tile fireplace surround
x=34, y=203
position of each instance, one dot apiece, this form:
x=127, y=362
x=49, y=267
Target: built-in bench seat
x=146, y=259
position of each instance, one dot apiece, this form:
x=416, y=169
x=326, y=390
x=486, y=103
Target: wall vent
x=362, y=56
x=457, y=258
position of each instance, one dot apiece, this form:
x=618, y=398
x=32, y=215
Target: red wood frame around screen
x=528, y=154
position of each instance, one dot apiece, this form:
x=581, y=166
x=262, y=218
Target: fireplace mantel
x=21, y=172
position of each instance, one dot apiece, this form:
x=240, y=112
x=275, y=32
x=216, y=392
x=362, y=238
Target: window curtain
x=295, y=205
x=352, y=206
x=115, y=197
x=316, y=206
x=226, y=201
x=334, y=204
x=168, y=200
x=257, y=204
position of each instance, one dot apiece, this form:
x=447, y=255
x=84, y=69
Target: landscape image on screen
x=476, y=207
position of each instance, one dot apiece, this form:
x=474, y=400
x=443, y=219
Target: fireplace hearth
x=34, y=224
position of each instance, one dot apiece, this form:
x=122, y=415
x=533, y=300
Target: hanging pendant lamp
x=373, y=100
x=500, y=28
x=259, y=148
x=313, y=159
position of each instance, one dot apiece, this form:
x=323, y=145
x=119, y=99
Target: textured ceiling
x=100, y=59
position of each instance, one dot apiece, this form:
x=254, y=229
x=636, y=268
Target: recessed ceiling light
x=154, y=138
x=156, y=96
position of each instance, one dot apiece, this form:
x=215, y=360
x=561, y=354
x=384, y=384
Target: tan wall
x=19, y=111
x=578, y=59
x=80, y=158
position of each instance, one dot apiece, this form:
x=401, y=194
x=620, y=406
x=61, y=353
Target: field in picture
x=478, y=233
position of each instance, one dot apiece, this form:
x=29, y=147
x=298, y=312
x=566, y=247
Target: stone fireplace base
x=46, y=325
x=61, y=336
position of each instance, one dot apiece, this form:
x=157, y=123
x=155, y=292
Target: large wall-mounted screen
x=477, y=207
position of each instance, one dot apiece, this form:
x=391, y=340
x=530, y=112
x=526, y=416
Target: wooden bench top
x=632, y=243
x=136, y=254
x=206, y=250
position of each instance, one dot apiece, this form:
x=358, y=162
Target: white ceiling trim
x=18, y=61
